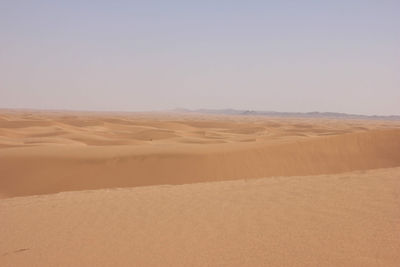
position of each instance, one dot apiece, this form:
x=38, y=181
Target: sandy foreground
x=195, y=190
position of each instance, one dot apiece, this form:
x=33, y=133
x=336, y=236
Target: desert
x=199, y=133
x=180, y=189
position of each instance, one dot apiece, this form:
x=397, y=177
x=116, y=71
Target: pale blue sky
x=340, y=56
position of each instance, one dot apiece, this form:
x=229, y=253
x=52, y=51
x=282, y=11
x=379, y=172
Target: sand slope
x=307, y=208
x=349, y=219
x=44, y=153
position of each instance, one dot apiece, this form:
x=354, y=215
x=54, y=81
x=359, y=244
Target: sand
x=195, y=190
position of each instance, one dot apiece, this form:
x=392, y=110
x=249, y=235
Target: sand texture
x=194, y=190
x=347, y=219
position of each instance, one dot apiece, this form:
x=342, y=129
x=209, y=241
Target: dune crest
x=68, y=153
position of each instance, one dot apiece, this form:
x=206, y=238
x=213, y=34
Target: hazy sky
x=341, y=56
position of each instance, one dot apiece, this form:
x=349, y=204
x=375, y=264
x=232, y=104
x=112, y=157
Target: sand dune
x=346, y=219
x=178, y=190
x=61, y=152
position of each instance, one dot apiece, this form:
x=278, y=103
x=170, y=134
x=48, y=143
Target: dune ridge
x=65, y=153
x=56, y=169
x=180, y=190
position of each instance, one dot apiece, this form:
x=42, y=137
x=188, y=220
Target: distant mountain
x=314, y=114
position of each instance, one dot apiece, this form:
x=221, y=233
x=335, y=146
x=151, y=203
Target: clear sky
x=340, y=56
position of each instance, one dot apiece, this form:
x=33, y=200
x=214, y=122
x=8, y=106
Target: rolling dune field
x=175, y=189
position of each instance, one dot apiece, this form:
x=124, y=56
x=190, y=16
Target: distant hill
x=314, y=114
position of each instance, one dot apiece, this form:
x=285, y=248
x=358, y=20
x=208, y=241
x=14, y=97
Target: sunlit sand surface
x=196, y=190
